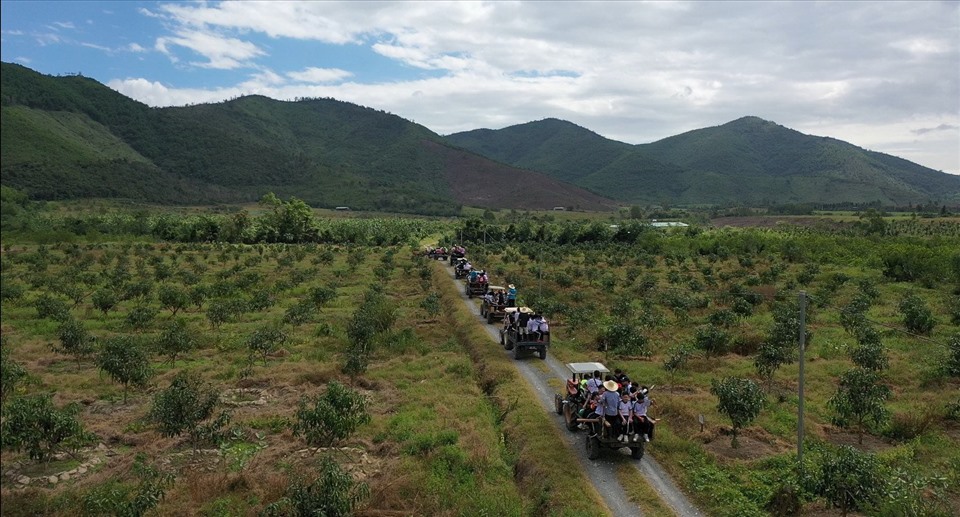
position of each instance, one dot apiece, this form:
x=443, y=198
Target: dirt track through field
x=602, y=472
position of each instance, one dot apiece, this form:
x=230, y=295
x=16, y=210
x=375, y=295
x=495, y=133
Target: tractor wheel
x=558, y=403
x=636, y=452
x=489, y=317
x=543, y=352
x=570, y=417
x=593, y=447
x=516, y=352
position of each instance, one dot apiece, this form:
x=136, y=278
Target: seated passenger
x=544, y=329
x=533, y=328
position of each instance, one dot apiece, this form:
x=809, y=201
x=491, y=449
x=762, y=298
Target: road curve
x=601, y=473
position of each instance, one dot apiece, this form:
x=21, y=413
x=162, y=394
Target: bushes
x=916, y=315
x=848, y=479
x=183, y=405
x=860, y=397
x=330, y=417
x=333, y=493
x=623, y=339
x=34, y=424
x=740, y=400
x=712, y=340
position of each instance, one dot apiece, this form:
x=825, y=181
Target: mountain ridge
x=324, y=151
x=747, y=161
x=72, y=137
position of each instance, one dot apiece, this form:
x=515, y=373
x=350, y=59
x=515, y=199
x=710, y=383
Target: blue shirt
x=610, y=402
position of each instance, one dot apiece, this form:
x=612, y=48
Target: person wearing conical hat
x=610, y=401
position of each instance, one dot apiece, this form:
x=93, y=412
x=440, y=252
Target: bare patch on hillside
x=477, y=181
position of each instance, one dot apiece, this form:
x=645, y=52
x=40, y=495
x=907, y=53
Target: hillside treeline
x=289, y=222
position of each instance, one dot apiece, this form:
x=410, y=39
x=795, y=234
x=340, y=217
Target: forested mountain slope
x=69, y=137
x=749, y=160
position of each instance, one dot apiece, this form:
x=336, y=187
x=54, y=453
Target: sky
x=882, y=75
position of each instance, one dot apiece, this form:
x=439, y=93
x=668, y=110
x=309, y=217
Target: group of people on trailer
x=530, y=326
x=477, y=277
x=458, y=251
x=618, y=402
x=463, y=265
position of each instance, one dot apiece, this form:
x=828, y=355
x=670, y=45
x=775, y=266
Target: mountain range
x=72, y=137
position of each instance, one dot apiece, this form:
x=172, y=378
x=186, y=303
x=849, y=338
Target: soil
x=754, y=444
x=838, y=436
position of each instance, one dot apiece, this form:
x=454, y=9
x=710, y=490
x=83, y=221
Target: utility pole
x=803, y=337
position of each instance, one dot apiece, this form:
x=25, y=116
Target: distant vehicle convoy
x=583, y=405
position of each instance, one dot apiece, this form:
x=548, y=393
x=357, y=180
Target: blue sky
x=881, y=75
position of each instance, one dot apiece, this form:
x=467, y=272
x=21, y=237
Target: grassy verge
x=548, y=476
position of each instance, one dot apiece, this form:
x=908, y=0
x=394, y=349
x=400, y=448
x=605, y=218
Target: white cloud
x=135, y=47
x=262, y=81
x=867, y=72
x=221, y=52
x=319, y=75
x=95, y=46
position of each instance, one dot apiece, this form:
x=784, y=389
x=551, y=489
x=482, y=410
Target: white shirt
x=594, y=384
x=532, y=325
x=640, y=408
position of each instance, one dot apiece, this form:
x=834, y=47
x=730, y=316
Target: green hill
x=749, y=160
x=70, y=137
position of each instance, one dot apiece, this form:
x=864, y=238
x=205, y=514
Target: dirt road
x=602, y=471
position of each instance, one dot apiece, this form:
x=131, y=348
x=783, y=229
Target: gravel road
x=602, y=472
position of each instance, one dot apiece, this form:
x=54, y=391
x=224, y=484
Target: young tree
x=860, y=397
x=869, y=352
x=375, y=315
x=140, y=317
x=104, y=300
x=125, y=360
x=712, y=339
x=331, y=417
x=333, y=493
x=769, y=359
x=11, y=372
x=50, y=307
x=265, y=340
x=740, y=400
x=173, y=298
x=677, y=360
x=184, y=405
x=118, y=498
x=34, y=424
x=74, y=340
x=916, y=315
x=431, y=304
x=849, y=479
x=175, y=339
